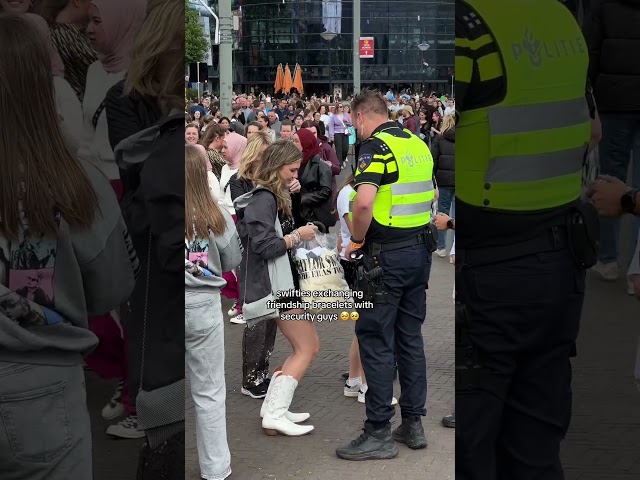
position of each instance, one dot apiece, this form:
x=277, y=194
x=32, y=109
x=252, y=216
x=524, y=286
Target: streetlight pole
x=226, y=56
x=356, y=46
x=328, y=36
x=423, y=47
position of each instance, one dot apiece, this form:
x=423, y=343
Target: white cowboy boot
x=274, y=420
x=294, y=417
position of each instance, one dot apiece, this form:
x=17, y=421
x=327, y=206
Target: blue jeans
x=45, y=431
x=204, y=343
x=446, y=204
x=619, y=147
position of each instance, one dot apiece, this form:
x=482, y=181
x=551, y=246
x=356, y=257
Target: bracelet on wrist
x=357, y=242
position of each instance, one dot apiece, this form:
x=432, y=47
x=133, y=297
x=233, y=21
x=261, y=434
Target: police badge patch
x=364, y=161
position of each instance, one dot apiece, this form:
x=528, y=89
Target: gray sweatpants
x=45, y=432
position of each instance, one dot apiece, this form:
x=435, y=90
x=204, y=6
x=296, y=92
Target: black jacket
x=443, y=151
x=261, y=243
x=239, y=186
x=313, y=203
x=613, y=37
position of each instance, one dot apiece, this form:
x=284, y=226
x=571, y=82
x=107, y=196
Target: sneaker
x=450, y=259
x=127, y=428
x=441, y=252
x=449, y=421
x=114, y=408
x=630, y=289
x=361, y=398
x=351, y=391
x=257, y=391
x=238, y=320
x=233, y=311
x=373, y=444
x=607, y=271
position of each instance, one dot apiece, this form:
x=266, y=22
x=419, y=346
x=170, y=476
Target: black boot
x=449, y=421
x=373, y=444
x=411, y=433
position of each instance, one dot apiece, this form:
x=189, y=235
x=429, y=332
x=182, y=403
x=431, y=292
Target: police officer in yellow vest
x=391, y=211
x=523, y=236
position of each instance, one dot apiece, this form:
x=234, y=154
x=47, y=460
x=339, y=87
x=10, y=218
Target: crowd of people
x=263, y=169
x=80, y=224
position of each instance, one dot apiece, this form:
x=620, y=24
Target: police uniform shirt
x=370, y=153
x=483, y=86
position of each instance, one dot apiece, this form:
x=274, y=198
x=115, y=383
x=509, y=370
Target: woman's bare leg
x=304, y=340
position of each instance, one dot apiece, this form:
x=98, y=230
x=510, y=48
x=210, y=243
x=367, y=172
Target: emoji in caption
x=355, y=316
x=344, y=316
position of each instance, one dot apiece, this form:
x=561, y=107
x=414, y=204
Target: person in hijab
x=313, y=203
x=232, y=150
x=67, y=104
x=113, y=26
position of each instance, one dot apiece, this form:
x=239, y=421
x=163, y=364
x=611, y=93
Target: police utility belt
x=579, y=234
x=368, y=268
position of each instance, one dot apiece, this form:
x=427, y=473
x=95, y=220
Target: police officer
x=391, y=211
x=523, y=237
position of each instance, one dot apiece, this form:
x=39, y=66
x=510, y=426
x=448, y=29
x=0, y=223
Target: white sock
x=352, y=382
x=364, y=387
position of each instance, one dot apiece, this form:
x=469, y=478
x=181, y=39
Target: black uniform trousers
x=385, y=329
x=523, y=319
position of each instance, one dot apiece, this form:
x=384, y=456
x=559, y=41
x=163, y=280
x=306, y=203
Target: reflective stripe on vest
x=407, y=202
x=517, y=155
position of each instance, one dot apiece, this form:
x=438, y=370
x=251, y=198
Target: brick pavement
x=603, y=440
x=338, y=419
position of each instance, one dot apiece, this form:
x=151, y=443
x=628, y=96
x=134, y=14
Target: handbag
x=166, y=461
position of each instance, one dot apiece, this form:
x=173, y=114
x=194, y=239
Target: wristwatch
x=628, y=201
x=450, y=224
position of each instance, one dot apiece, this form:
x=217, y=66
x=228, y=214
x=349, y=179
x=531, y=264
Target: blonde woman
x=268, y=233
x=152, y=90
x=211, y=247
x=258, y=340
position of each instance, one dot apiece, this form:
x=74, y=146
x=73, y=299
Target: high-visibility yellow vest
x=526, y=153
x=407, y=202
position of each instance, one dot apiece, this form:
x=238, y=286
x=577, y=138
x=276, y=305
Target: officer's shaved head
x=369, y=102
x=369, y=111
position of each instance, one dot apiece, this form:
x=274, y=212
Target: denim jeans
x=45, y=431
x=446, y=204
x=620, y=146
x=204, y=344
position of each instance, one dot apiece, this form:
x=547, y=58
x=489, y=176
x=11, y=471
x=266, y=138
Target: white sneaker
x=351, y=391
x=441, y=252
x=450, y=259
x=127, y=428
x=607, y=271
x=233, y=311
x=114, y=408
x=238, y=320
x=630, y=288
x=361, y=398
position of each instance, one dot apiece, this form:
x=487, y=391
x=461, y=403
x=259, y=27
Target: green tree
x=196, y=46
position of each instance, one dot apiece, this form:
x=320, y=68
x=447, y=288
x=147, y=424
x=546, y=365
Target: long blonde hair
x=44, y=182
x=201, y=213
x=252, y=155
x=157, y=39
x=448, y=122
x=276, y=156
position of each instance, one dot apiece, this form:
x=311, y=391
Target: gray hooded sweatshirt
x=50, y=286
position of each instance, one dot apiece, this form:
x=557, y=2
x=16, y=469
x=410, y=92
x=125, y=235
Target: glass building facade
x=270, y=32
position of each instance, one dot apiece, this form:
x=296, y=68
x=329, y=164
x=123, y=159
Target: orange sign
x=366, y=47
